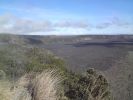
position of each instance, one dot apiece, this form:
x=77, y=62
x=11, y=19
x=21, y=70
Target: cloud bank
x=15, y=25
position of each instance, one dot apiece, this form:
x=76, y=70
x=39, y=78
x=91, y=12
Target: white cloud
x=11, y=24
x=15, y=25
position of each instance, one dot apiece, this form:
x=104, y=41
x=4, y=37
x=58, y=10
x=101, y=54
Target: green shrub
x=91, y=86
x=39, y=59
x=16, y=64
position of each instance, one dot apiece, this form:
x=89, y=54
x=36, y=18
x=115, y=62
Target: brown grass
x=46, y=85
x=8, y=92
x=21, y=93
x=43, y=86
x=5, y=93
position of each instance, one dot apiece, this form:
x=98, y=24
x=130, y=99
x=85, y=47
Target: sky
x=66, y=17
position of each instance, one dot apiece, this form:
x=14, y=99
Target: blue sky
x=66, y=17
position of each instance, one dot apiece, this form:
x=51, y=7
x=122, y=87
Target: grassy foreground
x=36, y=74
x=48, y=85
x=31, y=86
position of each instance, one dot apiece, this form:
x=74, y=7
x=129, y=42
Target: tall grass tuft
x=46, y=85
x=42, y=86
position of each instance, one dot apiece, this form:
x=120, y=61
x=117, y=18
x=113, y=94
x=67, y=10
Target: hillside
x=110, y=55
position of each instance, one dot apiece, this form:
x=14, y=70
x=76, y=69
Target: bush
x=39, y=59
x=31, y=60
x=91, y=86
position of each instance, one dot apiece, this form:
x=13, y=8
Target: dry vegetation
x=43, y=86
x=47, y=86
x=5, y=93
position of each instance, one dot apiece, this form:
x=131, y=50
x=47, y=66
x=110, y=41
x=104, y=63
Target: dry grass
x=21, y=93
x=5, y=93
x=43, y=86
x=46, y=85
